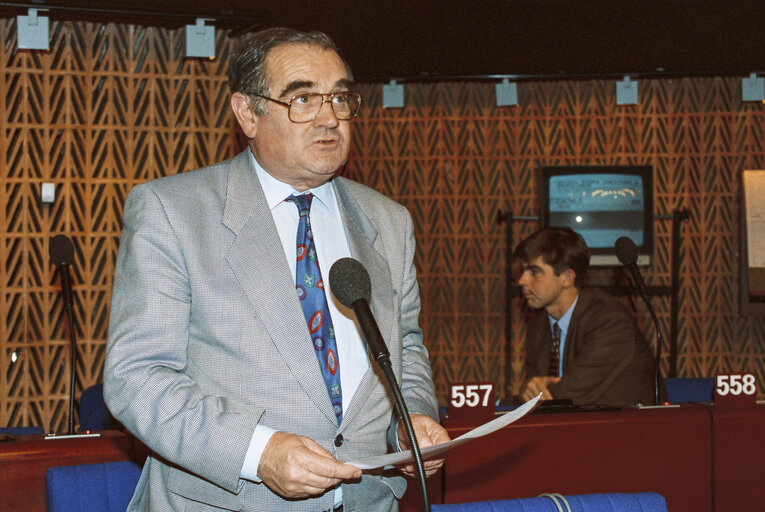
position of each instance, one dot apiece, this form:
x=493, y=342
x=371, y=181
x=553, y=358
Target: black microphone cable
x=350, y=284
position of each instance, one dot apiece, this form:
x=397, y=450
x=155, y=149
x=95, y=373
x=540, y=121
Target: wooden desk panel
x=739, y=459
x=666, y=451
x=25, y=460
x=669, y=451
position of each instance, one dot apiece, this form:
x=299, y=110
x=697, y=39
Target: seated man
x=585, y=346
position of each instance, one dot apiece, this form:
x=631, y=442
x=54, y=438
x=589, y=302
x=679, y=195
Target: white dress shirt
x=331, y=245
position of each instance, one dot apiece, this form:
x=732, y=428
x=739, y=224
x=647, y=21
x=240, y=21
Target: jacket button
x=339, y=440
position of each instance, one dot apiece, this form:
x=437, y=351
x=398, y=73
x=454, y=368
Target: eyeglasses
x=305, y=107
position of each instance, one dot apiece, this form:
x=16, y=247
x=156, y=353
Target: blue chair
x=608, y=502
x=94, y=415
x=104, y=487
x=21, y=431
x=697, y=389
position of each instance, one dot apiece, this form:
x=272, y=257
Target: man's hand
x=428, y=433
x=536, y=385
x=297, y=467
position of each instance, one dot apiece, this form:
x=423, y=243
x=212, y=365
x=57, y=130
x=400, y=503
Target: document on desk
x=431, y=451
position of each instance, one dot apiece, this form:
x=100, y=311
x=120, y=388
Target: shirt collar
x=564, y=320
x=277, y=191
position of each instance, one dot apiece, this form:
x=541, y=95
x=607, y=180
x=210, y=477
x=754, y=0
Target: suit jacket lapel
x=363, y=239
x=267, y=280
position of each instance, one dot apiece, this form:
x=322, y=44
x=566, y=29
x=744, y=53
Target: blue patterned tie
x=310, y=290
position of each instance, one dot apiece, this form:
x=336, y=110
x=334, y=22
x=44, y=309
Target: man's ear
x=569, y=277
x=246, y=118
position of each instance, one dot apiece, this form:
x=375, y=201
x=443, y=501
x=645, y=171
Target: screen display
x=600, y=207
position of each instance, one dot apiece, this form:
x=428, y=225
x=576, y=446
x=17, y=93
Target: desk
x=662, y=450
x=25, y=460
x=739, y=458
x=700, y=458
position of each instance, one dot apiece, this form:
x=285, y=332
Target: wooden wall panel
x=107, y=107
x=111, y=105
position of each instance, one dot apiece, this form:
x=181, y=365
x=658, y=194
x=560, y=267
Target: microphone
x=350, y=284
x=627, y=253
x=62, y=255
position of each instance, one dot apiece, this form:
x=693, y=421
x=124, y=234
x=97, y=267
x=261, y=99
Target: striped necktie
x=554, y=351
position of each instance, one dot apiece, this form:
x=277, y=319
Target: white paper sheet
x=431, y=451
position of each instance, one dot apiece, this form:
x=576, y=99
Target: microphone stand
x=62, y=254
x=638, y=278
x=403, y=412
x=659, y=343
x=352, y=287
x=382, y=358
x=626, y=252
x=66, y=292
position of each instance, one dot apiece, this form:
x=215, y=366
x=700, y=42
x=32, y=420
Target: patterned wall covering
x=110, y=106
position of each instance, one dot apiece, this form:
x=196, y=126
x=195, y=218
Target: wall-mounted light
x=506, y=93
x=32, y=31
x=393, y=95
x=626, y=92
x=48, y=192
x=200, y=39
x=753, y=88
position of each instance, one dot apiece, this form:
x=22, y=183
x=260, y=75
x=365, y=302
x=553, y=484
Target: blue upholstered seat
x=608, y=502
x=697, y=389
x=103, y=487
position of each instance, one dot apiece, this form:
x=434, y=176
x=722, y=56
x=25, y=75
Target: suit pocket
x=196, y=489
x=396, y=483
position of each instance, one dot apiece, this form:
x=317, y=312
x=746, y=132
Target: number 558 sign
x=735, y=389
x=471, y=401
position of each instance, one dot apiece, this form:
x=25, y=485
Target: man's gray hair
x=247, y=71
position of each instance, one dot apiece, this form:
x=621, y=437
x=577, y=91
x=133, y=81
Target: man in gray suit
x=210, y=361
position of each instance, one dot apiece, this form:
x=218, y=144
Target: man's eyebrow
x=531, y=267
x=341, y=85
x=344, y=85
x=295, y=85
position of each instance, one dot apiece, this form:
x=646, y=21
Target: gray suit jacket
x=207, y=339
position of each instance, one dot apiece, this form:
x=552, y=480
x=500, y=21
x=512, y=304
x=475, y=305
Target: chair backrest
x=517, y=505
x=618, y=502
x=696, y=389
x=21, y=431
x=94, y=415
x=103, y=487
x=606, y=502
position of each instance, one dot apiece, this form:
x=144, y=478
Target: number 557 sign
x=471, y=402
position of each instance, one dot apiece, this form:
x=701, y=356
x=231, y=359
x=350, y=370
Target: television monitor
x=601, y=203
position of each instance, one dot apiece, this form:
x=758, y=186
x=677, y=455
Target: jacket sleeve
x=416, y=377
x=145, y=385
